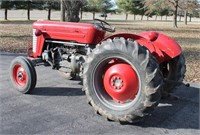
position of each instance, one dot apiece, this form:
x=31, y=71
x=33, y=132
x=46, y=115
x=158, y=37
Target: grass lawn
x=15, y=36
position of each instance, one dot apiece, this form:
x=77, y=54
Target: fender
x=162, y=47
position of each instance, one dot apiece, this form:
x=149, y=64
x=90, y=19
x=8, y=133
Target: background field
x=16, y=35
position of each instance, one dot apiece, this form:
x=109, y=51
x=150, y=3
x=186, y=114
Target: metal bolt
x=20, y=75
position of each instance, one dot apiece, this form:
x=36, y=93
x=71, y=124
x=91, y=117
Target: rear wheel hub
x=121, y=82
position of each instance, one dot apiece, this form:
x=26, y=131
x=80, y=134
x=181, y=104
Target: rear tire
x=126, y=53
x=23, y=75
x=174, y=70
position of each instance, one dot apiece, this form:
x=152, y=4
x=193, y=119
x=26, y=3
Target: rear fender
x=162, y=47
x=169, y=47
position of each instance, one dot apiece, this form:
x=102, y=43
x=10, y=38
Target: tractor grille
x=34, y=41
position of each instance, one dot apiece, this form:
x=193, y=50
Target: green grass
x=15, y=36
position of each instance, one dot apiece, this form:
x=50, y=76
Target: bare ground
x=15, y=36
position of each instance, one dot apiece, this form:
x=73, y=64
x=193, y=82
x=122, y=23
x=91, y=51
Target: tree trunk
x=166, y=18
x=62, y=11
x=6, y=14
x=81, y=14
x=105, y=17
x=156, y=17
x=93, y=15
x=142, y=17
x=126, y=16
x=161, y=17
x=179, y=18
x=190, y=17
x=175, y=14
x=49, y=14
x=72, y=10
x=28, y=13
x=147, y=17
x=134, y=17
x=186, y=12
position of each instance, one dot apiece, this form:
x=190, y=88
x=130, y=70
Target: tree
x=103, y=6
x=141, y=10
x=62, y=11
x=25, y=4
x=93, y=6
x=6, y=4
x=175, y=5
x=188, y=6
x=84, y=8
x=164, y=12
x=28, y=5
x=164, y=4
x=49, y=5
x=129, y=7
x=72, y=8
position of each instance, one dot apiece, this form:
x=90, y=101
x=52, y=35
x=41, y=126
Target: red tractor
x=124, y=75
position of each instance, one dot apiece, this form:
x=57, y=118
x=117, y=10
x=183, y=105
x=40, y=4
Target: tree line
x=70, y=9
x=160, y=8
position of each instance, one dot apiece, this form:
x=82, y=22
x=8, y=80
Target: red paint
x=160, y=46
x=153, y=36
x=19, y=75
x=38, y=32
x=169, y=47
x=66, y=31
x=118, y=84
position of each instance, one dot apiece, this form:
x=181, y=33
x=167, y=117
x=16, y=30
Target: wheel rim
x=116, y=83
x=19, y=75
x=121, y=82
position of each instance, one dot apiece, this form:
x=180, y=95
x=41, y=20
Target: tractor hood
x=76, y=32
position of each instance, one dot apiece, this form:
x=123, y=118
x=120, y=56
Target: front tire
x=23, y=75
x=122, y=80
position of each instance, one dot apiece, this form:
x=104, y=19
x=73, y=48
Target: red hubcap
x=121, y=82
x=19, y=75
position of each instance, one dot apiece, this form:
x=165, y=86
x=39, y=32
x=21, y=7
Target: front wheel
x=122, y=80
x=23, y=75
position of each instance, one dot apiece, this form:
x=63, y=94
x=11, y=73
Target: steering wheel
x=103, y=25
